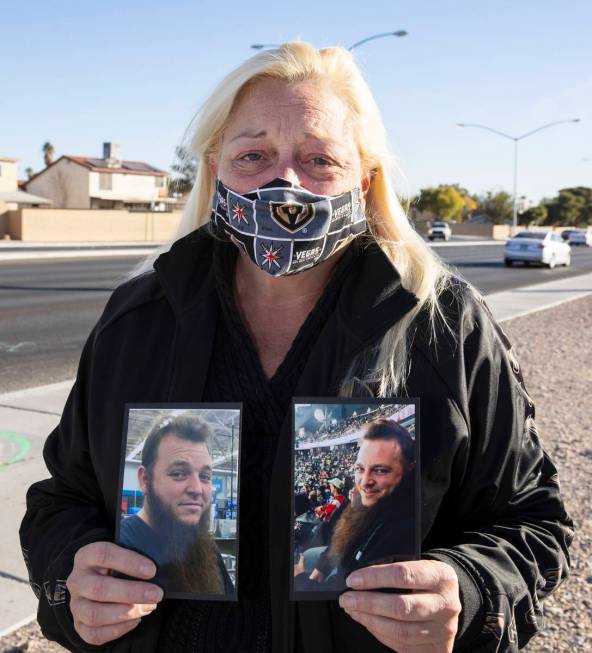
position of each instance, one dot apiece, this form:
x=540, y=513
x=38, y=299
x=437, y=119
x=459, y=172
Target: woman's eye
x=251, y=156
x=320, y=161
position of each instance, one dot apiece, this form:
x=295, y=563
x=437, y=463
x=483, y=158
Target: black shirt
x=235, y=374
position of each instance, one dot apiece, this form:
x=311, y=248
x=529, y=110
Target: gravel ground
x=555, y=352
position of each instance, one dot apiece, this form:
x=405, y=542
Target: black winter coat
x=490, y=496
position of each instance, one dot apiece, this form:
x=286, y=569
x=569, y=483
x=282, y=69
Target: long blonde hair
x=421, y=272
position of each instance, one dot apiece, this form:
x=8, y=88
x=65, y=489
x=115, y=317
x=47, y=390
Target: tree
x=498, y=206
x=444, y=201
x=185, y=169
x=572, y=206
x=29, y=172
x=48, y=151
x=534, y=215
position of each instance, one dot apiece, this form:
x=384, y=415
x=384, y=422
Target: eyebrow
x=316, y=134
x=186, y=465
x=249, y=134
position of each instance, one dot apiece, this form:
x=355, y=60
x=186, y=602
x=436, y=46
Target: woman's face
x=300, y=132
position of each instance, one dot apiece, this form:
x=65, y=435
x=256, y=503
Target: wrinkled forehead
x=272, y=105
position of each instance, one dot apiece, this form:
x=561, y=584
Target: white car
x=580, y=237
x=543, y=247
x=439, y=230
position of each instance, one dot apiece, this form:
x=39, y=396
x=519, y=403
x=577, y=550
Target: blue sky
x=134, y=73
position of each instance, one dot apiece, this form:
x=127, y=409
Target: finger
x=415, y=574
x=403, y=607
x=92, y=613
x=107, y=589
x=104, y=634
x=396, y=633
x=106, y=555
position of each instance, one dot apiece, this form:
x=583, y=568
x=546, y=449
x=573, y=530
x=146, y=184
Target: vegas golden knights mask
x=284, y=228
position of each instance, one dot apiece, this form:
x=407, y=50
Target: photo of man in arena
x=173, y=526
x=377, y=522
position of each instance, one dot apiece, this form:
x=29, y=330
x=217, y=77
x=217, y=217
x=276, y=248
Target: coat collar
x=370, y=301
x=372, y=298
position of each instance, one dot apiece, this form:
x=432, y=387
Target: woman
x=223, y=319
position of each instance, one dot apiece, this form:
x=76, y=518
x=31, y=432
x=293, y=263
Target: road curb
x=509, y=304
x=544, y=308
x=19, y=624
x=38, y=389
x=73, y=253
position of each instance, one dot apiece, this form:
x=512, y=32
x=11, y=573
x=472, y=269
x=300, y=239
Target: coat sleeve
x=509, y=543
x=64, y=513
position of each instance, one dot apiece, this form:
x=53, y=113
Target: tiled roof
x=125, y=167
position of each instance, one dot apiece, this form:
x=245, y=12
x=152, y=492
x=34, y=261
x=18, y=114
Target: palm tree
x=47, y=150
x=29, y=172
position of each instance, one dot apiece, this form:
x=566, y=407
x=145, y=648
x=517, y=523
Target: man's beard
x=192, y=555
x=351, y=527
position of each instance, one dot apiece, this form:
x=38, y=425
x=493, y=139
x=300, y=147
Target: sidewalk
x=26, y=418
x=11, y=250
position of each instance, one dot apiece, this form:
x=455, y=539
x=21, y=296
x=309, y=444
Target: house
x=79, y=182
x=11, y=196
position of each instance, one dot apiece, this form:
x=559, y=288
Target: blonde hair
x=421, y=272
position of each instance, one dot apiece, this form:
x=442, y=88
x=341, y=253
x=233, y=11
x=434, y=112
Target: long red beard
x=350, y=526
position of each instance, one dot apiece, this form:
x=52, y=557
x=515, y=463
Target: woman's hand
x=105, y=608
x=424, y=621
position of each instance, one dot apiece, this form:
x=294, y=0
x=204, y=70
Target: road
x=49, y=306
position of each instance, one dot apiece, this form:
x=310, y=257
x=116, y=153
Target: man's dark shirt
x=135, y=534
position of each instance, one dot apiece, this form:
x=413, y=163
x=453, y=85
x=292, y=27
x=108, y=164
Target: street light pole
x=399, y=33
x=516, y=139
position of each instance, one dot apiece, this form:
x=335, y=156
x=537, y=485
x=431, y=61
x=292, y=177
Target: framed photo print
x=356, y=481
x=178, y=495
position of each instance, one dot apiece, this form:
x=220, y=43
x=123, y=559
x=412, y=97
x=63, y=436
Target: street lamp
x=516, y=139
x=399, y=33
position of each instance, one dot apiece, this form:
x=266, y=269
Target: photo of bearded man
x=173, y=526
x=377, y=523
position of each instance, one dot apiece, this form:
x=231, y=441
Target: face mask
x=285, y=229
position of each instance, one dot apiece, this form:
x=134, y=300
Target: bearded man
x=173, y=527
x=379, y=523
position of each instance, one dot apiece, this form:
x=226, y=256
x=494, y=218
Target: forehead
x=379, y=452
x=173, y=448
x=275, y=106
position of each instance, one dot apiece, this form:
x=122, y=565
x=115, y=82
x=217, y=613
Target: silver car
x=544, y=247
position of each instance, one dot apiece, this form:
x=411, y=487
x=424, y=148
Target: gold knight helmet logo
x=291, y=215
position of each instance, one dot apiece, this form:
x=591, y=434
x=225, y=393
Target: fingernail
x=146, y=569
x=147, y=608
x=354, y=580
x=153, y=595
x=347, y=601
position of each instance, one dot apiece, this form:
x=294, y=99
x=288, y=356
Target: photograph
x=355, y=490
x=179, y=495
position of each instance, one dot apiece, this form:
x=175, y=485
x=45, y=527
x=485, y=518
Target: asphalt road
x=48, y=306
